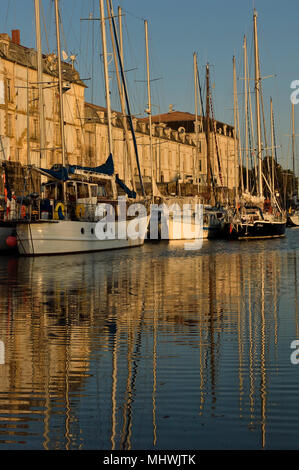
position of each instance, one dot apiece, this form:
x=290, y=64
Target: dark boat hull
x=255, y=230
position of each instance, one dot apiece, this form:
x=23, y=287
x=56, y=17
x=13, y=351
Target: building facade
x=176, y=155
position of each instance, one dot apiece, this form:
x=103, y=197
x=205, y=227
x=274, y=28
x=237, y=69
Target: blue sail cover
x=128, y=191
x=106, y=169
x=62, y=173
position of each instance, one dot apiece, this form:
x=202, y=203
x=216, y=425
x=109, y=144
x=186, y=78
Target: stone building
x=175, y=156
x=19, y=111
x=222, y=139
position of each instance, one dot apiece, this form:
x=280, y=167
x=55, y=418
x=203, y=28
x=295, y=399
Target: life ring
x=80, y=211
x=58, y=206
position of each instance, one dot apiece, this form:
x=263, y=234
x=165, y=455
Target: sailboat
x=251, y=219
x=80, y=210
x=185, y=218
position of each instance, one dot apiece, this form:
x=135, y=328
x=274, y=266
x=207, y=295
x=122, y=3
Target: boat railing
x=55, y=210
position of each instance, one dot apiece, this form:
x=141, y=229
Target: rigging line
x=275, y=149
x=134, y=16
x=92, y=52
x=133, y=59
x=45, y=27
x=127, y=100
x=6, y=16
x=62, y=29
x=200, y=98
x=50, y=16
x=216, y=142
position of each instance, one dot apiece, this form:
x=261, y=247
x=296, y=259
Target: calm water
x=152, y=348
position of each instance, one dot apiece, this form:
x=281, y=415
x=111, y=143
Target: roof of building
x=27, y=57
x=172, y=116
x=95, y=113
x=176, y=119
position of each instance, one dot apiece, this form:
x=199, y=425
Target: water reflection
x=150, y=348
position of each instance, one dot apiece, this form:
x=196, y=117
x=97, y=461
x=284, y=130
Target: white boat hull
x=179, y=229
x=294, y=220
x=49, y=238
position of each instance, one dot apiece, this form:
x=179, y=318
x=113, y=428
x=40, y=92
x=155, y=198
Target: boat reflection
x=119, y=350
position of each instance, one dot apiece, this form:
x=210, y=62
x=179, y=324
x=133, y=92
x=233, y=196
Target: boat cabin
x=80, y=192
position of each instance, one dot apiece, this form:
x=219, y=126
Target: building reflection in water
x=149, y=348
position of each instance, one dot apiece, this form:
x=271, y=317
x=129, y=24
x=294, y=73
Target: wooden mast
x=60, y=82
x=107, y=91
x=149, y=109
x=196, y=120
x=63, y=160
x=208, y=130
x=235, y=128
x=246, y=113
x=293, y=147
x=257, y=101
x=272, y=147
x=127, y=101
x=121, y=95
x=43, y=159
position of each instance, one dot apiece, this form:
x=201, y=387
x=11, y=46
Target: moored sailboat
x=258, y=219
x=79, y=210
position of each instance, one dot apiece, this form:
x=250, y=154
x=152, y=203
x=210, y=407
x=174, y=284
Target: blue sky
x=212, y=28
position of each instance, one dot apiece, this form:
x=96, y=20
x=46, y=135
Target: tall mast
x=240, y=173
x=40, y=83
x=272, y=146
x=196, y=118
x=28, y=120
x=235, y=127
x=122, y=98
x=121, y=45
x=149, y=108
x=293, y=146
x=246, y=113
x=60, y=82
x=208, y=129
x=127, y=100
x=103, y=31
x=257, y=100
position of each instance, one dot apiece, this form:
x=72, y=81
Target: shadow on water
x=156, y=347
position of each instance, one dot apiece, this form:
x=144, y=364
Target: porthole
x=82, y=231
x=92, y=231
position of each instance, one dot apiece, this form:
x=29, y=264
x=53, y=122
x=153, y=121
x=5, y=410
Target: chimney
x=15, y=36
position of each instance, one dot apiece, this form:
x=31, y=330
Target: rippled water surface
x=151, y=348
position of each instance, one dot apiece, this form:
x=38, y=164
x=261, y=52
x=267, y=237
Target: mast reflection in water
x=156, y=347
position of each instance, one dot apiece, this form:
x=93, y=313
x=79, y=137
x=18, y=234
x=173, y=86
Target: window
x=82, y=190
x=101, y=191
x=94, y=191
x=8, y=90
x=34, y=133
x=34, y=98
x=9, y=125
x=50, y=191
x=58, y=134
x=78, y=138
